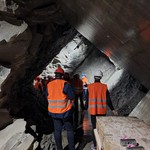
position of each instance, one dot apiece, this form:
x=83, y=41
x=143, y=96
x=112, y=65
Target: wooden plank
x=112, y=129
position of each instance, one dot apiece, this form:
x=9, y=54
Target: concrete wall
x=142, y=111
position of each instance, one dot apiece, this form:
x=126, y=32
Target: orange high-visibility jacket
x=97, y=98
x=78, y=85
x=36, y=85
x=84, y=80
x=58, y=102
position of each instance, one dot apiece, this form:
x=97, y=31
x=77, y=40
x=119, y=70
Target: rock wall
x=27, y=53
x=141, y=111
x=41, y=34
x=126, y=94
x=125, y=91
x=70, y=57
x=3, y=74
x=13, y=137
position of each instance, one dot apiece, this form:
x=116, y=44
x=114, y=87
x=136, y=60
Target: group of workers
x=41, y=85
x=63, y=94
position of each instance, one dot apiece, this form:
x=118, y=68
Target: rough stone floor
x=87, y=137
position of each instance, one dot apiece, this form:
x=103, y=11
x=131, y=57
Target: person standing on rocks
x=60, y=103
x=98, y=98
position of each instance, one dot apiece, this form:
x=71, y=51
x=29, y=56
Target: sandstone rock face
x=11, y=52
x=8, y=132
x=70, y=57
x=40, y=35
x=3, y=74
x=6, y=119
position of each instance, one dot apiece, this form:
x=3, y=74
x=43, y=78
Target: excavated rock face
x=44, y=32
x=27, y=55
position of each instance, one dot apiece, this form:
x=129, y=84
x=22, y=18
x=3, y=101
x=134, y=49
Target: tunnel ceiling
x=121, y=29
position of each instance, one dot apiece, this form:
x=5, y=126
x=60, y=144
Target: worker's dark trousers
x=79, y=96
x=85, y=94
x=58, y=125
x=76, y=110
x=93, y=121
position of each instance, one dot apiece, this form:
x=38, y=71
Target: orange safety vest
x=58, y=102
x=97, y=98
x=78, y=85
x=36, y=85
x=84, y=80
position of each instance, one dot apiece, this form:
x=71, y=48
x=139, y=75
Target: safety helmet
x=83, y=74
x=98, y=73
x=59, y=70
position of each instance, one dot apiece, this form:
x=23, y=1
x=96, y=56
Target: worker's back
x=97, y=98
x=78, y=85
x=58, y=101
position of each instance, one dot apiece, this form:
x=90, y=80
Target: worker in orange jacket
x=78, y=87
x=60, y=102
x=85, y=86
x=98, y=98
x=38, y=85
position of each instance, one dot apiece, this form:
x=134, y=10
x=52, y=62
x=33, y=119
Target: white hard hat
x=98, y=73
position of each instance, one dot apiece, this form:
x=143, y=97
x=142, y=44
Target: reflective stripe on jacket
x=97, y=98
x=58, y=102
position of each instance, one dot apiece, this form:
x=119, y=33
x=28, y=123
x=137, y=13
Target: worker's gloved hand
x=115, y=112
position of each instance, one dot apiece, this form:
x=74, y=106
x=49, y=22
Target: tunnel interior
x=38, y=36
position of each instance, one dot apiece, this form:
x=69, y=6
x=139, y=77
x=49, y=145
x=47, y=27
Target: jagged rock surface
x=27, y=54
x=45, y=34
